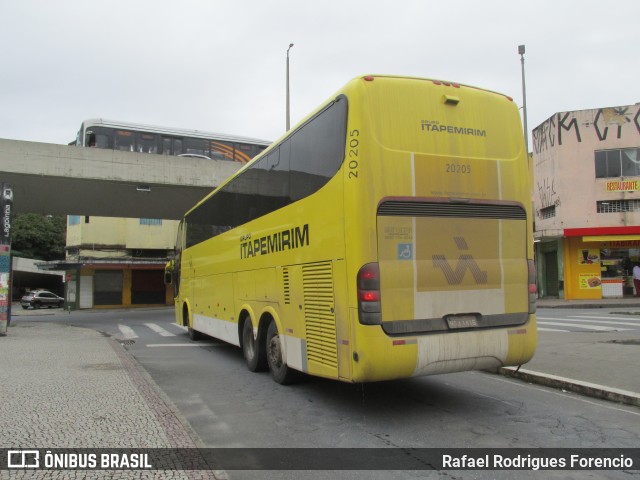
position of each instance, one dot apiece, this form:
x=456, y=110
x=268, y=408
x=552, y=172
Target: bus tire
x=280, y=372
x=254, y=353
x=193, y=334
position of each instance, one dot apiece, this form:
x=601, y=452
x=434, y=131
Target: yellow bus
x=387, y=235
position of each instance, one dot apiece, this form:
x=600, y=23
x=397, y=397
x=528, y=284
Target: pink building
x=587, y=202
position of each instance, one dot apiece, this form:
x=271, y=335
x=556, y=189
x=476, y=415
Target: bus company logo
x=23, y=459
x=434, y=126
x=455, y=276
x=277, y=242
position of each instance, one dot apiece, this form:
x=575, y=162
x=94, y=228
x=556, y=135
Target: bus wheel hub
x=275, y=357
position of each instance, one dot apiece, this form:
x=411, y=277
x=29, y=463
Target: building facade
x=118, y=262
x=587, y=202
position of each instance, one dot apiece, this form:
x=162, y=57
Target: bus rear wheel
x=253, y=351
x=280, y=372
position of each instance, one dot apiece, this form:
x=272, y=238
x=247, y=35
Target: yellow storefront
x=598, y=262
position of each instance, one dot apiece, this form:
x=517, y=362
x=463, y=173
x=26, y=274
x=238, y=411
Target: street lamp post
x=524, y=100
x=288, y=113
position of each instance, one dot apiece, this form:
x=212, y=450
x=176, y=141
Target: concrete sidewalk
x=72, y=387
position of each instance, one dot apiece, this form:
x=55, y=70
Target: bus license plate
x=462, y=321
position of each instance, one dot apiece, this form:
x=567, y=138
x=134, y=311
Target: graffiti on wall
x=562, y=127
x=547, y=194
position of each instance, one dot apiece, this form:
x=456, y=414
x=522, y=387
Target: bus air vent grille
x=459, y=210
x=317, y=281
x=286, y=286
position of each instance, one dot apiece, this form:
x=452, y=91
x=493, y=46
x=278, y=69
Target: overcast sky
x=220, y=65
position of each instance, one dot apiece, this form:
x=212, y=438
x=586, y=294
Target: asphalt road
x=228, y=406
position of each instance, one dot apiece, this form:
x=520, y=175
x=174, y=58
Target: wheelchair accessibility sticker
x=405, y=251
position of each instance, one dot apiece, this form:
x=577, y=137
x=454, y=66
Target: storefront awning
x=610, y=238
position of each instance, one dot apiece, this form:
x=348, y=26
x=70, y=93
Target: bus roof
x=172, y=131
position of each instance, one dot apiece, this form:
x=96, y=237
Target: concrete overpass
x=67, y=180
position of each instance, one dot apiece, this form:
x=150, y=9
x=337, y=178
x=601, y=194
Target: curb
x=584, y=388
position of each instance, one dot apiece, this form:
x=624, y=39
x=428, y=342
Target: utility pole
x=288, y=101
x=524, y=100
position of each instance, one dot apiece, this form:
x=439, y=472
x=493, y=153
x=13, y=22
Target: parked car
x=41, y=298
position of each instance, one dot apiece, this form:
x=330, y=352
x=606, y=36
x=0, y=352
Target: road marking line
x=127, y=332
x=622, y=321
x=199, y=344
x=552, y=330
x=605, y=321
x=158, y=329
x=608, y=321
x=587, y=327
x=181, y=327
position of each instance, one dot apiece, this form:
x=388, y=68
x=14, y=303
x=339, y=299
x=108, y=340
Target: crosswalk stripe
x=127, y=332
x=587, y=327
x=622, y=321
x=608, y=322
x=552, y=330
x=158, y=329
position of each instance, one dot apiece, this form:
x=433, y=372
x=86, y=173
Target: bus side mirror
x=168, y=278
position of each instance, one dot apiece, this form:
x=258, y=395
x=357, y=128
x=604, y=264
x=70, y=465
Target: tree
x=42, y=237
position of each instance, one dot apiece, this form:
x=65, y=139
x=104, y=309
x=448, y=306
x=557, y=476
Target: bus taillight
x=369, y=311
x=533, y=289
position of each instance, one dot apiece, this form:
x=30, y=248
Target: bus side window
x=166, y=146
x=97, y=140
x=317, y=150
x=222, y=151
x=195, y=146
x=146, y=143
x=124, y=141
x=171, y=146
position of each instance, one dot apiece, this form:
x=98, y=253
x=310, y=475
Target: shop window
x=615, y=206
